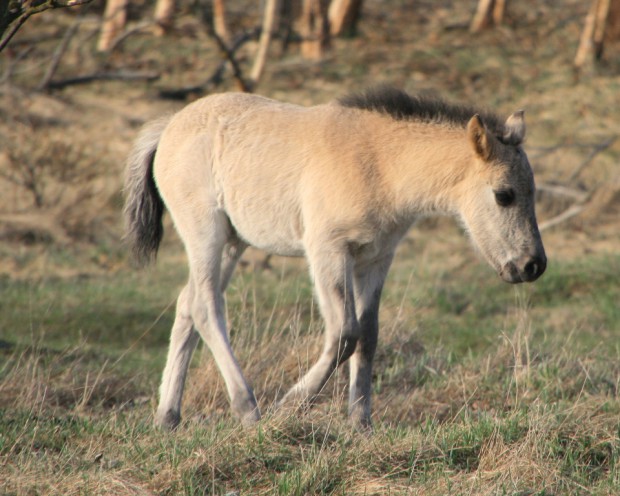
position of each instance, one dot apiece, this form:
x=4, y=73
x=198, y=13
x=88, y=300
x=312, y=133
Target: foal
x=339, y=183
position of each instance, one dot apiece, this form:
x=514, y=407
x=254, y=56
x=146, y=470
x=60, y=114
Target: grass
x=479, y=387
x=518, y=411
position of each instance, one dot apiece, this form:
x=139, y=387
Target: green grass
x=474, y=391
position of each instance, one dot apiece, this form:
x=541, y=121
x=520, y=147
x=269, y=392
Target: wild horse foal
x=339, y=183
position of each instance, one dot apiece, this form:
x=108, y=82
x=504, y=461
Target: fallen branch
x=564, y=216
x=104, y=76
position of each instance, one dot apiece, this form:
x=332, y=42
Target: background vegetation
x=480, y=387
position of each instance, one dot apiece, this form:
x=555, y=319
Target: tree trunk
x=219, y=22
x=114, y=19
x=601, y=14
x=164, y=11
x=487, y=12
x=269, y=26
x=343, y=16
x=314, y=28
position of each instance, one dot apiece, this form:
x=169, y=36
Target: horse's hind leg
x=208, y=276
x=183, y=340
x=332, y=273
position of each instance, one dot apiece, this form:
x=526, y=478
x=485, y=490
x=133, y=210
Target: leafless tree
x=220, y=26
x=269, y=25
x=488, y=12
x=164, y=11
x=314, y=28
x=114, y=18
x=602, y=24
x=343, y=16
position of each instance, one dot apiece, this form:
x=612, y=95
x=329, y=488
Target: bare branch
x=556, y=189
x=230, y=57
x=30, y=10
x=569, y=213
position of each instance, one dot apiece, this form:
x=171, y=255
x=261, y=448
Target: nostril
x=530, y=269
x=534, y=268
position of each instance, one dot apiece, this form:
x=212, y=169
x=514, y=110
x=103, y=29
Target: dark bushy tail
x=144, y=207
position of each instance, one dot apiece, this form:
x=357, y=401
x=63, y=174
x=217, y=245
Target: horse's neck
x=425, y=173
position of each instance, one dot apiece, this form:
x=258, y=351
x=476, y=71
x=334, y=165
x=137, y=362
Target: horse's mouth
x=510, y=276
x=527, y=270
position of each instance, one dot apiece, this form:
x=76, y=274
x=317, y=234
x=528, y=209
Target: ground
x=480, y=387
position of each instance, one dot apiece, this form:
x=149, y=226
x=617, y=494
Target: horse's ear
x=514, y=129
x=479, y=137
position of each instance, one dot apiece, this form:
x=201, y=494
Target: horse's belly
x=268, y=225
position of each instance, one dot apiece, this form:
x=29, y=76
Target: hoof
x=251, y=418
x=169, y=420
x=247, y=411
x=361, y=421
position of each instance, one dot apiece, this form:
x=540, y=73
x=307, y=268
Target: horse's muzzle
x=526, y=269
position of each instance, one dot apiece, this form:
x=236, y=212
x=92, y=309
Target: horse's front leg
x=368, y=284
x=332, y=273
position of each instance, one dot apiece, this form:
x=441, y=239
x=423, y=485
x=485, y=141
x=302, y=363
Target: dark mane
x=402, y=106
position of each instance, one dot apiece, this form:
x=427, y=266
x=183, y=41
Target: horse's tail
x=144, y=207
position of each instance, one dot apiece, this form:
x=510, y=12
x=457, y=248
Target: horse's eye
x=505, y=197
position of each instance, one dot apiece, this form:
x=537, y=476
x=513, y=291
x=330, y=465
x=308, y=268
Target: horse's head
x=497, y=204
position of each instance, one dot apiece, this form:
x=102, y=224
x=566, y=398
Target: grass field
x=480, y=387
